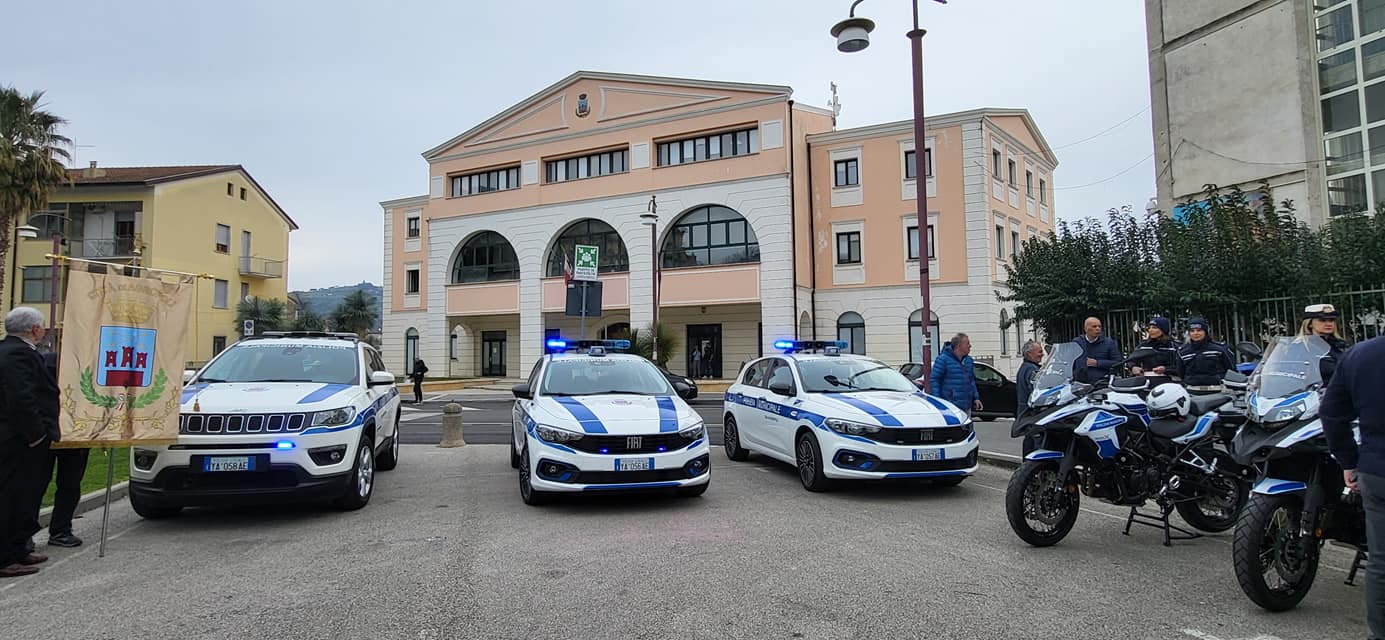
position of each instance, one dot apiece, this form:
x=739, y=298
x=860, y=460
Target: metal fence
x=1362, y=318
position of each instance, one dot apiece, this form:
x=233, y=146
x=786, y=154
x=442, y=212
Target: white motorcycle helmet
x=1169, y=399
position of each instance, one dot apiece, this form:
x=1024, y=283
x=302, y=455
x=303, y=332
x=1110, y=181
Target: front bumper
x=176, y=478
x=579, y=471
x=850, y=457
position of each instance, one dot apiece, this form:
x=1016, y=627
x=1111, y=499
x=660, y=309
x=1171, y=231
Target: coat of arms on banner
x=122, y=355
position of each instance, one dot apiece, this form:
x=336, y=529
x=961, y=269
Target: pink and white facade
x=751, y=212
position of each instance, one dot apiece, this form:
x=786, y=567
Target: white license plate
x=634, y=464
x=237, y=463
x=928, y=454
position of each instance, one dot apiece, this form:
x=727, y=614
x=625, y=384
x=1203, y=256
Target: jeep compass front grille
x=239, y=423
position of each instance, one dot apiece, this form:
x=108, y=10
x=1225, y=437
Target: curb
x=1002, y=460
x=88, y=502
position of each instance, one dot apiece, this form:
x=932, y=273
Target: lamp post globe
x=27, y=232
x=853, y=34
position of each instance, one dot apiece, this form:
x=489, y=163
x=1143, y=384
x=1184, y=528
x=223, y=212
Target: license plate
x=236, y=463
x=928, y=454
x=634, y=464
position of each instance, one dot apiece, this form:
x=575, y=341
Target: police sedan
x=592, y=419
x=838, y=416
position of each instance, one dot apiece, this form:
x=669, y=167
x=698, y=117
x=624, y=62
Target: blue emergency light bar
x=829, y=347
x=560, y=345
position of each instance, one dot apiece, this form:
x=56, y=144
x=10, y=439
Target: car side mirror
x=380, y=378
x=781, y=388
x=188, y=375
x=522, y=391
x=682, y=389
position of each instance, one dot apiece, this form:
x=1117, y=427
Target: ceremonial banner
x=121, y=364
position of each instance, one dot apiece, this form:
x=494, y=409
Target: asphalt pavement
x=486, y=420
x=447, y=550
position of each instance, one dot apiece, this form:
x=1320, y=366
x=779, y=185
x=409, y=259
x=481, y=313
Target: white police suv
x=839, y=416
x=591, y=419
x=284, y=416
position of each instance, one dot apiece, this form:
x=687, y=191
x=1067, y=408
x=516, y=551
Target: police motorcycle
x=1299, y=500
x=1125, y=442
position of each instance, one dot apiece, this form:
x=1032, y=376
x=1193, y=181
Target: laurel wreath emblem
x=156, y=389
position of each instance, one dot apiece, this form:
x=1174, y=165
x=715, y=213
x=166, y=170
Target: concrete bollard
x=452, y=426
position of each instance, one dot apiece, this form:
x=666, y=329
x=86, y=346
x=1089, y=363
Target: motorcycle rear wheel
x=1216, y=513
x=1274, y=564
x=1040, y=508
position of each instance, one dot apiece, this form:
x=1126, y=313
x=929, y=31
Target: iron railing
x=261, y=267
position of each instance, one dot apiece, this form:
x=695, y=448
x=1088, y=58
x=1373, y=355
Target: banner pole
x=106, y=512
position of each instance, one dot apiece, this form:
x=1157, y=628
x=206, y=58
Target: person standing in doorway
x=954, y=375
x=28, y=417
x=1099, y=353
x=696, y=363
x=1354, y=394
x=417, y=376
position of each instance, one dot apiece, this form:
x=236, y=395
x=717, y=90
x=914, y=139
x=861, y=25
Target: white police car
x=590, y=419
x=284, y=416
x=838, y=416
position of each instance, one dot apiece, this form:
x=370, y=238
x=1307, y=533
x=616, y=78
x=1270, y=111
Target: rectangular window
x=245, y=243
x=589, y=166
x=37, y=284
x=1010, y=168
x=1375, y=102
x=50, y=224
x=913, y=248
x=849, y=247
x=411, y=281
x=414, y=226
x=219, y=294
x=1343, y=153
x=995, y=163
x=230, y=189
x=223, y=239
x=244, y=291
x=910, y=168
x=1000, y=242
x=847, y=173
x=1346, y=195
x=1029, y=183
x=1373, y=59
x=1043, y=191
x=709, y=147
x=1014, y=243
x=485, y=182
x=1337, y=71
x=242, y=193
x=932, y=243
x=1372, y=15
x=218, y=345
x=1340, y=113
x=1334, y=29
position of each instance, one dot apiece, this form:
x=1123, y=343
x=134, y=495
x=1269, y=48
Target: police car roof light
x=341, y=335
x=591, y=347
x=826, y=347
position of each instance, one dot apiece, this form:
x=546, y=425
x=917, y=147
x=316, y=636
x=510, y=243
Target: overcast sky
x=329, y=105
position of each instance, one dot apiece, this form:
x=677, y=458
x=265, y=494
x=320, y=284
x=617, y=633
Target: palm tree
x=308, y=320
x=268, y=314
x=31, y=160
x=356, y=313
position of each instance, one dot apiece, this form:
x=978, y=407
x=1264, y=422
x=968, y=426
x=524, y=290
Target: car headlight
x=852, y=428
x=966, y=427
x=694, y=432
x=552, y=434
x=334, y=417
x=1284, y=414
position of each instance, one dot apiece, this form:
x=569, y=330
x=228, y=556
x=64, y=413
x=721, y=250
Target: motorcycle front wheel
x=1275, y=563
x=1041, y=508
x=1218, y=504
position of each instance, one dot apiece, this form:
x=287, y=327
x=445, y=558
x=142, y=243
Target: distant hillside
x=325, y=300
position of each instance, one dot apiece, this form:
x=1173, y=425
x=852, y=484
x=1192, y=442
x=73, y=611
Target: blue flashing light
x=605, y=450
x=663, y=449
x=283, y=445
x=783, y=345
x=560, y=345
x=556, y=344
x=830, y=347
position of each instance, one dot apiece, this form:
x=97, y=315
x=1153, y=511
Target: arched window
x=1004, y=332
x=612, y=259
x=410, y=349
x=916, y=335
x=710, y=235
x=486, y=257
x=851, y=329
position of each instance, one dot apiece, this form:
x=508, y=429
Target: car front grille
x=613, y=445
x=623, y=477
x=907, y=466
x=241, y=423
x=939, y=435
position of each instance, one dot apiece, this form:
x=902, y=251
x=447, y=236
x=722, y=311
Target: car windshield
x=588, y=376
x=845, y=375
x=1290, y=366
x=272, y=361
x=1057, y=367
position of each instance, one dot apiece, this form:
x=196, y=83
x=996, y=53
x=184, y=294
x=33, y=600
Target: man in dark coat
x=28, y=419
x=1099, y=353
x=417, y=376
x=1024, y=386
x=71, y=465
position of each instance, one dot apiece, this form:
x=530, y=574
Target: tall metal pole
x=654, y=275
x=14, y=266
x=921, y=189
x=53, y=291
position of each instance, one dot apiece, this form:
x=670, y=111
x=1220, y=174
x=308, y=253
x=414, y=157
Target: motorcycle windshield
x=1290, y=366
x=1056, y=369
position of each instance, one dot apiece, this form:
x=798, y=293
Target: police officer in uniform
x=1205, y=362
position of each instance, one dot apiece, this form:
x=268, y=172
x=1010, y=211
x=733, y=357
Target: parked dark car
x=673, y=377
x=997, y=391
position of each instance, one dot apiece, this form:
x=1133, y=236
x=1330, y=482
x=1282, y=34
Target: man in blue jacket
x=954, y=378
x=1354, y=393
x=1099, y=353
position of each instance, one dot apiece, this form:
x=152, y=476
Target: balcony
x=252, y=267
x=103, y=248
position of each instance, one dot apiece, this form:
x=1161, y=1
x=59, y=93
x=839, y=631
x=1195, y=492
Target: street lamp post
x=853, y=34
x=651, y=220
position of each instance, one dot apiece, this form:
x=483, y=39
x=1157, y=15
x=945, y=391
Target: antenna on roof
x=834, y=103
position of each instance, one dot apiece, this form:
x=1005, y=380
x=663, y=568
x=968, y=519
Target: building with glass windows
x=772, y=224
x=1285, y=92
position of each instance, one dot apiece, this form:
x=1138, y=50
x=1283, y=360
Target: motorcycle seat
x=1130, y=385
x=1203, y=404
x=1171, y=427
